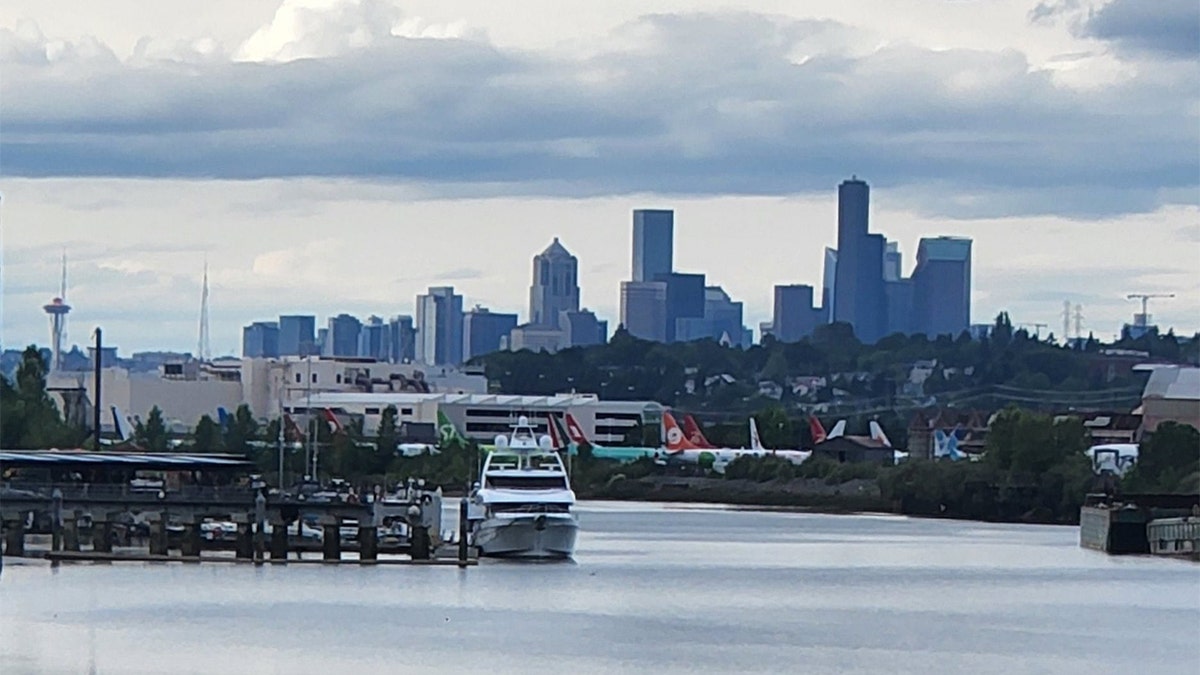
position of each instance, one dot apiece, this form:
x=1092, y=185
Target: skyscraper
x=829, y=283
x=402, y=339
x=796, y=315
x=942, y=286
x=582, y=328
x=483, y=331
x=555, y=287
x=859, y=297
x=892, y=262
x=373, y=339
x=722, y=321
x=685, y=300
x=644, y=309
x=297, y=335
x=342, y=336
x=653, y=243
x=439, y=327
x=260, y=340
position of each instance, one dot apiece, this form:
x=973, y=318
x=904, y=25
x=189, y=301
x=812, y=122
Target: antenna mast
x=1066, y=315
x=203, y=349
x=1078, y=321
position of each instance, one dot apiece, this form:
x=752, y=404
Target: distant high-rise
x=484, y=331
x=796, y=315
x=296, y=335
x=653, y=243
x=644, y=309
x=900, y=306
x=555, y=287
x=373, y=339
x=342, y=336
x=685, y=300
x=892, y=262
x=440, y=327
x=721, y=321
x=859, y=297
x=402, y=339
x=942, y=286
x=582, y=328
x=261, y=340
x=57, y=311
x=829, y=283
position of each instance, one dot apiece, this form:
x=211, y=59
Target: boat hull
x=536, y=537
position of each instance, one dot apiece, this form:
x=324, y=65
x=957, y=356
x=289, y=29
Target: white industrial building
x=187, y=390
x=484, y=416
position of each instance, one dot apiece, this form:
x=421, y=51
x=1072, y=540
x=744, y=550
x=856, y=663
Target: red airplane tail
x=818, y=431
x=676, y=440
x=693, y=433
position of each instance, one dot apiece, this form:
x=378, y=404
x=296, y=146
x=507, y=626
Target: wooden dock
x=105, y=557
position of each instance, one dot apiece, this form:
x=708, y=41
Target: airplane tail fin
x=818, y=431
x=878, y=435
x=335, y=426
x=837, y=430
x=575, y=432
x=558, y=436
x=755, y=441
x=693, y=433
x=447, y=432
x=223, y=417
x=120, y=425
x=676, y=441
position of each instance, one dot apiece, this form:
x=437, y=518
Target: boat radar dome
x=522, y=421
x=502, y=441
x=545, y=443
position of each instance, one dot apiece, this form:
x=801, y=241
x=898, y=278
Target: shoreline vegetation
x=1033, y=468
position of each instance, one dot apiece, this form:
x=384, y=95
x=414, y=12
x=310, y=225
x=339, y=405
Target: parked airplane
x=818, y=431
x=877, y=434
x=793, y=456
x=681, y=449
x=124, y=435
x=945, y=445
x=692, y=431
x=576, y=439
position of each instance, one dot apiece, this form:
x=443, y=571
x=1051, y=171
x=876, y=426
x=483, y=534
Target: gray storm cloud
x=727, y=103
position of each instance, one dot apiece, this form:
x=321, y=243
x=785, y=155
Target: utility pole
x=96, y=388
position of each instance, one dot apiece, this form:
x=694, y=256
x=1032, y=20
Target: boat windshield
x=534, y=507
x=531, y=482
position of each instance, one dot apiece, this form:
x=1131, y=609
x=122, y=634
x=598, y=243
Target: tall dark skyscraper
x=342, y=338
x=644, y=309
x=555, y=287
x=859, y=297
x=440, y=327
x=653, y=243
x=796, y=313
x=260, y=339
x=942, y=286
x=483, y=331
x=402, y=339
x=297, y=335
x=373, y=339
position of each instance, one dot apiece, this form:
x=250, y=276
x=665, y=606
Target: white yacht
x=521, y=507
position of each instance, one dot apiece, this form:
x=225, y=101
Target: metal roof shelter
x=151, y=461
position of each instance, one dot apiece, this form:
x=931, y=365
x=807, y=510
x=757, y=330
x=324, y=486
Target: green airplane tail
x=448, y=433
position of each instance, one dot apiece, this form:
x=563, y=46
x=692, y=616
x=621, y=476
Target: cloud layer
x=674, y=104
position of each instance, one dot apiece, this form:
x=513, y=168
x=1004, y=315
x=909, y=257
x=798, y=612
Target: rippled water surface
x=654, y=588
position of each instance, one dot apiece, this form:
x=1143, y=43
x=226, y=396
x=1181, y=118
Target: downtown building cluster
x=441, y=333
x=863, y=286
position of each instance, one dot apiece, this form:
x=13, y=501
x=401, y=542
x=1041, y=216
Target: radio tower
x=1078, y=321
x=57, y=310
x=1066, y=315
x=203, y=350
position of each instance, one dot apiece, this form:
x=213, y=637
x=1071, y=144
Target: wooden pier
x=262, y=525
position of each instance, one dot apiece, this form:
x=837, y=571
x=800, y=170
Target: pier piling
x=462, y=533
x=70, y=532
x=244, y=546
x=102, y=536
x=158, y=536
x=14, y=538
x=331, y=549
x=260, y=520
x=56, y=520
x=279, y=542
x=368, y=543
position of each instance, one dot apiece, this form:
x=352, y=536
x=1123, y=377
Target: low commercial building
x=484, y=416
x=1172, y=394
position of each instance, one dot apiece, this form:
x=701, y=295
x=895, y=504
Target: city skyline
x=1058, y=136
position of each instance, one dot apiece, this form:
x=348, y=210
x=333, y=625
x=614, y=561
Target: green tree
x=207, y=435
x=1166, y=460
x=152, y=434
x=28, y=416
x=241, y=429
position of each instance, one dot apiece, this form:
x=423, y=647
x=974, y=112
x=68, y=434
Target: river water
x=654, y=588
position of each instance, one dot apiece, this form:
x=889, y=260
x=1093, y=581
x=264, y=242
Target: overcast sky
x=343, y=155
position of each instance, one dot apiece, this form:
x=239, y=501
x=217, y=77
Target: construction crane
x=1142, y=320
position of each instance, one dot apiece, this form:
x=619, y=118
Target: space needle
x=57, y=310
